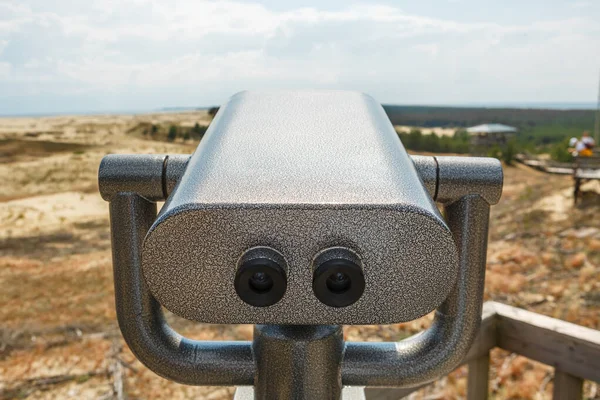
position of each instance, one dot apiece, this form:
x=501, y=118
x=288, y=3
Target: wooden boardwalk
x=582, y=169
x=549, y=166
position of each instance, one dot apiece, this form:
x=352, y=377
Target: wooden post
x=567, y=386
x=477, y=381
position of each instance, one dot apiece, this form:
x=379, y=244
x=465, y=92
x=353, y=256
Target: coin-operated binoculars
x=300, y=212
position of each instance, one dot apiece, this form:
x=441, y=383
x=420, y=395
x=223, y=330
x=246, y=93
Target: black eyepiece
x=338, y=279
x=338, y=283
x=261, y=282
x=261, y=277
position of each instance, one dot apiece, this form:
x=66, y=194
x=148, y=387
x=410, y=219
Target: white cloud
x=431, y=49
x=3, y=44
x=211, y=47
x=4, y=70
x=581, y=4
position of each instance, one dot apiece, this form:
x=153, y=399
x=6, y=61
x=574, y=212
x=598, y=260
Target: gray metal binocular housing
x=300, y=211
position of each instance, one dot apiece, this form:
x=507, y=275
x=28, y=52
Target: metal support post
x=298, y=362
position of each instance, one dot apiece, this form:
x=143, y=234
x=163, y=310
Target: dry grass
x=57, y=292
x=59, y=337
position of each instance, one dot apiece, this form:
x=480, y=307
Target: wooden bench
x=585, y=169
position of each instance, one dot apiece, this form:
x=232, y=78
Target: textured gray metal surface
x=407, y=363
x=152, y=176
x=172, y=173
x=472, y=175
x=427, y=168
x=348, y=393
x=141, y=320
x=292, y=357
x=437, y=351
x=462, y=176
x=300, y=172
x=448, y=178
x=134, y=173
x=298, y=362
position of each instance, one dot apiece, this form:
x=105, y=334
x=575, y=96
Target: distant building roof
x=492, y=128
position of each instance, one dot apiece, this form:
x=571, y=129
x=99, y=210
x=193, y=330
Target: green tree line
x=415, y=140
x=173, y=132
x=458, y=143
x=537, y=127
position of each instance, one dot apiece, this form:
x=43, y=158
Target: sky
x=94, y=55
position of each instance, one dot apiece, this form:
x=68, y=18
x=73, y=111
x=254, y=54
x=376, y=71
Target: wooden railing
x=573, y=351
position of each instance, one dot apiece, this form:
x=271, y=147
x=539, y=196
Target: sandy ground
x=58, y=335
x=426, y=131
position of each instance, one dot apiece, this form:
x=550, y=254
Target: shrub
x=172, y=133
x=560, y=151
x=198, y=131
x=508, y=154
x=213, y=111
x=495, y=151
x=415, y=140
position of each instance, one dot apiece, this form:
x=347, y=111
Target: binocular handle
x=446, y=178
x=141, y=319
x=466, y=186
x=438, y=350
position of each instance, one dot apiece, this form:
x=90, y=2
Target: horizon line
x=524, y=105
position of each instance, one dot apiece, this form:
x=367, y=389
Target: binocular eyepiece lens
x=338, y=283
x=261, y=277
x=260, y=282
x=338, y=279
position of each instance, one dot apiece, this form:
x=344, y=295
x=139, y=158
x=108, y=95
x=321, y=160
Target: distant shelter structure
x=486, y=136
